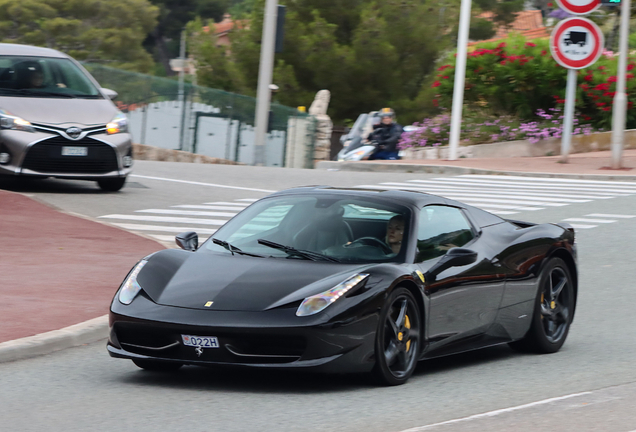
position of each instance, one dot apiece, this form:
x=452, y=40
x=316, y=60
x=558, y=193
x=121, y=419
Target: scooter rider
x=387, y=135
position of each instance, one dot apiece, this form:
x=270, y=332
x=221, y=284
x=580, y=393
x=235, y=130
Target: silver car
x=56, y=121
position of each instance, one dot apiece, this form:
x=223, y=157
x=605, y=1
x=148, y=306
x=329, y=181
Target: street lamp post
x=265, y=73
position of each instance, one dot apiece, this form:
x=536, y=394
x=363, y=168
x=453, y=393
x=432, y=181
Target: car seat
x=327, y=229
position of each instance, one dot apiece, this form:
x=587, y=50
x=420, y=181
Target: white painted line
x=611, y=216
x=165, y=219
x=208, y=207
x=161, y=228
x=187, y=212
x=504, y=207
x=463, y=197
x=549, y=179
x=582, y=226
x=587, y=189
x=205, y=184
x=624, y=189
x=499, y=212
x=250, y=199
x=496, y=412
x=167, y=238
x=228, y=203
x=497, y=190
x=493, y=193
x=603, y=221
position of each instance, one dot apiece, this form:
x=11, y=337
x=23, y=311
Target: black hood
x=236, y=283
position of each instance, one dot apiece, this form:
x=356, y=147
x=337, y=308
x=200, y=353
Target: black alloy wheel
x=156, y=365
x=397, y=343
x=111, y=184
x=554, y=308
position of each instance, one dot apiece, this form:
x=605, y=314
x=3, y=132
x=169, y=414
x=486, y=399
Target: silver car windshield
x=48, y=77
x=343, y=229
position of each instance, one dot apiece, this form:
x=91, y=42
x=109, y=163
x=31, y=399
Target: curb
x=449, y=169
x=46, y=343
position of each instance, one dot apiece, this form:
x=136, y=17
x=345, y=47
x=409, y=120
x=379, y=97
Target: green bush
x=516, y=77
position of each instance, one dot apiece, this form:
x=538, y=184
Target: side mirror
x=187, y=241
x=455, y=257
x=110, y=94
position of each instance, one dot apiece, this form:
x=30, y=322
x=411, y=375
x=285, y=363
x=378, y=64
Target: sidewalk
x=581, y=165
x=57, y=270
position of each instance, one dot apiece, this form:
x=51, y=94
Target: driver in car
x=394, y=233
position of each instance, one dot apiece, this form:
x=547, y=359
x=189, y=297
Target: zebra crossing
x=502, y=195
x=509, y=195
x=164, y=224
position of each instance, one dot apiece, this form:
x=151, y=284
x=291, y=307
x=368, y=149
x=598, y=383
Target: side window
x=440, y=229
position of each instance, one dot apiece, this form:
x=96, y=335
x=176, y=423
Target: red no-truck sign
x=576, y=43
x=579, y=7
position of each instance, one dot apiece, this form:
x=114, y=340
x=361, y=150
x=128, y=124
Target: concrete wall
x=551, y=147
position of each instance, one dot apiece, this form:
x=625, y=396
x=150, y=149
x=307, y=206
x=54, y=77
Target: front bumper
x=39, y=154
x=269, y=339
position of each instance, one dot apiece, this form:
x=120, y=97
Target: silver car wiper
x=233, y=248
x=314, y=256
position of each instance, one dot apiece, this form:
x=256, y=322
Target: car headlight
x=9, y=121
x=319, y=302
x=119, y=124
x=130, y=288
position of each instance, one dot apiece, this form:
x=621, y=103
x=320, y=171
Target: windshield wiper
x=233, y=248
x=314, y=256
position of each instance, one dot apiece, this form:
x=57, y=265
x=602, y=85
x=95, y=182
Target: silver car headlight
x=130, y=288
x=9, y=121
x=319, y=302
x=119, y=124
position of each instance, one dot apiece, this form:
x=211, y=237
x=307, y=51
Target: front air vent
x=46, y=157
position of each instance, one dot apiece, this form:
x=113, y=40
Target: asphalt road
x=83, y=389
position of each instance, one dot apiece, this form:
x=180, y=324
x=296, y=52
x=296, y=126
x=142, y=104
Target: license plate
x=200, y=341
x=74, y=151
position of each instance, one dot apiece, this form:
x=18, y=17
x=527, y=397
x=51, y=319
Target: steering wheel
x=371, y=241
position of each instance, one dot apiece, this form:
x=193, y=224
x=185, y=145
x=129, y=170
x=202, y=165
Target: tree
x=109, y=32
x=173, y=17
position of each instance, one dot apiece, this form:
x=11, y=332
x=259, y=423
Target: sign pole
x=620, y=98
x=460, y=77
x=568, y=115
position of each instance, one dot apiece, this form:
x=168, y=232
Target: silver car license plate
x=200, y=341
x=74, y=151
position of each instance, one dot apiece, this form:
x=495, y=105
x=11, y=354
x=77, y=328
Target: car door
x=463, y=301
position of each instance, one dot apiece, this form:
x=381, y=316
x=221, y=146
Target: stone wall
x=146, y=152
x=551, y=147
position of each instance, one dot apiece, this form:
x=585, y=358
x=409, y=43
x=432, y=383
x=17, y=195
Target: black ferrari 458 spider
x=348, y=280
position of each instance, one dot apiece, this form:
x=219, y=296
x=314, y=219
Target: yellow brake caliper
x=407, y=324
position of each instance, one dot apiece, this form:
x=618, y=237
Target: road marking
x=209, y=207
x=227, y=203
x=605, y=221
x=250, y=199
x=204, y=184
x=496, y=412
x=611, y=216
x=165, y=219
x=186, y=212
x=550, y=179
x=161, y=228
x=581, y=226
x=585, y=188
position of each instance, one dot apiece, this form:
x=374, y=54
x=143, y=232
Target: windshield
x=343, y=229
x=22, y=76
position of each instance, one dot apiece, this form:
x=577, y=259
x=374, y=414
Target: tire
x=156, y=365
x=553, y=311
x=111, y=184
x=397, y=340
